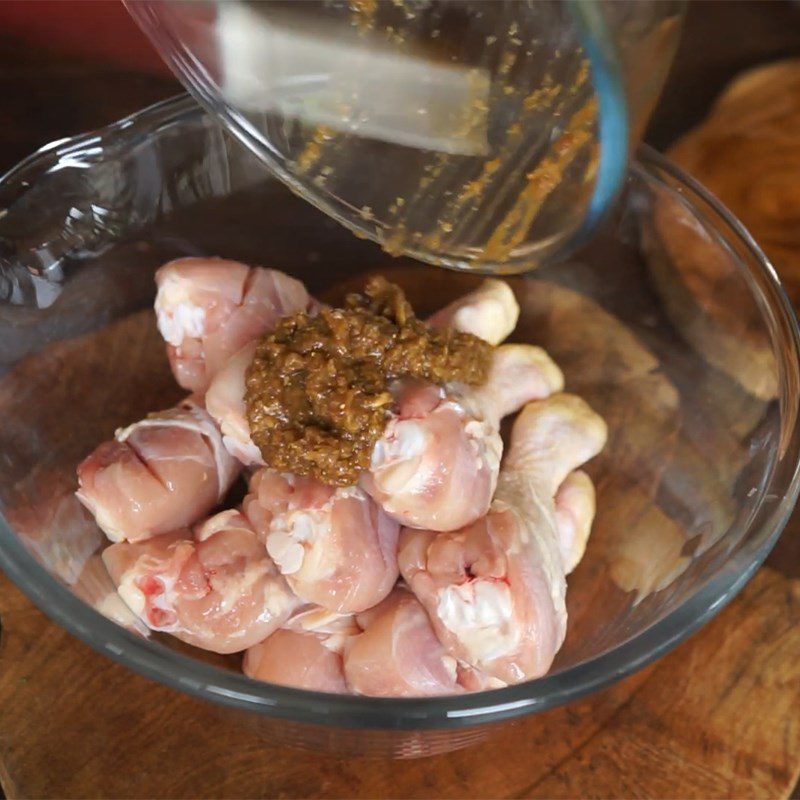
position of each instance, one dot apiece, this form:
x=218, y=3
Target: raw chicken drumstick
x=575, y=506
x=398, y=655
x=208, y=308
x=389, y=651
x=225, y=402
x=306, y=653
x=214, y=587
x=335, y=547
x=495, y=590
x=435, y=466
x=490, y=312
x=162, y=473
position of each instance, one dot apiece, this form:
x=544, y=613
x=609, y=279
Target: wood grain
x=75, y=725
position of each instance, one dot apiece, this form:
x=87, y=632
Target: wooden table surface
x=718, y=717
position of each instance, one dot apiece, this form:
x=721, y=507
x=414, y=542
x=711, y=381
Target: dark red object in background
x=99, y=29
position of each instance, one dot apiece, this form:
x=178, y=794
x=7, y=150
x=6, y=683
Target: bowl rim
x=157, y=662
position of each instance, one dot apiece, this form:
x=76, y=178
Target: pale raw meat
x=519, y=373
x=214, y=587
x=435, y=466
x=162, y=473
x=490, y=312
x=335, y=546
x=398, y=655
x=306, y=653
x=575, y=506
x=296, y=659
x=303, y=578
x=495, y=589
x=225, y=402
x=209, y=308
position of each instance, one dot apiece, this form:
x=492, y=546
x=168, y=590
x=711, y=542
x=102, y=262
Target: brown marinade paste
x=317, y=390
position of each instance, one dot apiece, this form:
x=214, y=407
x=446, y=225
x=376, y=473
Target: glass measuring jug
x=488, y=134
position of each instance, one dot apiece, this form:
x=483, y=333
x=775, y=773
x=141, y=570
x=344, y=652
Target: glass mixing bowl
x=671, y=323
